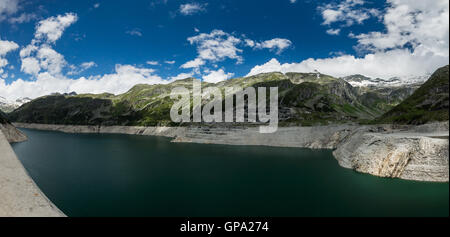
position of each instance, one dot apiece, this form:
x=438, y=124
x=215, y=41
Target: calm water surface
x=125, y=175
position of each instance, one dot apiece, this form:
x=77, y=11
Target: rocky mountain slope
x=304, y=99
x=8, y=106
x=358, y=80
x=428, y=103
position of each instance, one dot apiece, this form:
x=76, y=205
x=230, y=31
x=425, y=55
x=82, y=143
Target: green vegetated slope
x=428, y=103
x=304, y=99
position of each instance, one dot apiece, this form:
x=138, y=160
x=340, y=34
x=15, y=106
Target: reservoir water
x=126, y=175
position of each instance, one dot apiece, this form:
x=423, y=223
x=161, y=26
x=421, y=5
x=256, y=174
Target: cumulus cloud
x=415, y=43
x=124, y=77
x=30, y=65
x=169, y=62
x=39, y=56
x=193, y=63
x=52, y=28
x=181, y=76
x=83, y=67
x=333, y=31
x=46, y=67
x=8, y=8
x=22, y=18
x=216, y=46
x=348, y=11
x=87, y=65
x=219, y=45
x=422, y=24
x=277, y=44
x=398, y=62
x=216, y=76
x=153, y=63
x=6, y=47
x=192, y=8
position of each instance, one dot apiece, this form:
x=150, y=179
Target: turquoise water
x=125, y=175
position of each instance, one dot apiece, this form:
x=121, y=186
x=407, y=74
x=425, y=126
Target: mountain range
x=8, y=106
x=428, y=103
x=304, y=99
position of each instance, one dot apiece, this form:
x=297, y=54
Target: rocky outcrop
x=413, y=153
x=11, y=133
x=319, y=137
x=131, y=130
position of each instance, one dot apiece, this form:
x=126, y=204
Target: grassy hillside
x=428, y=103
x=304, y=98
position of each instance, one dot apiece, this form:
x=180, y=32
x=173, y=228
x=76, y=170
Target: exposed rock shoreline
x=11, y=133
x=407, y=152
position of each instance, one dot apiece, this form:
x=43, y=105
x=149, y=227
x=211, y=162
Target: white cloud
x=170, y=62
x=277, y=44
x=51, y=60
x=39, y=57
x=333, y=31
x=87, y=65
x=30, y=65
x=219, y=45
x=192, y=8
x=97, y=5
x=6, y=47
x=250, y=43
x=348, y=11
x=182, y=76
x=415, y=43
x=292, y=1
x=24, y=17
x=216, y=76
x=399, y=62
x=46, y=66
x=83, y=67
x=193, y=63
x=124, y=77
x=422, y=24
x=52, y=28
x=134, y=32
x=7, y=8
x=153, y=63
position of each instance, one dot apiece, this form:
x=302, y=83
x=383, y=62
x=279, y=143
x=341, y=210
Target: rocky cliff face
x=414, y=153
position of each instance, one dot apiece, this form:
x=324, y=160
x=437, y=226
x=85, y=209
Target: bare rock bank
x=11, y=133
x=406, y=152
x=413, y=153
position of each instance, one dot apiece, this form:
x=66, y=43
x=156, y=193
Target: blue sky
x=108, y=46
